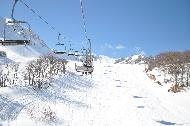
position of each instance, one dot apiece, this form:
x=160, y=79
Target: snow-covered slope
x=21, y=53
x=116, y=95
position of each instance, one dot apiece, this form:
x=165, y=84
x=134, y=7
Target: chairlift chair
x=59, y=52
x=77, y=53
x=60, y=44
x=70, y=54
x=87, y=66
x=84, y=69
x=7, y=42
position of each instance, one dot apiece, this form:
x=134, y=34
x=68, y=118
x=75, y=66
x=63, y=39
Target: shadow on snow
x=9, y=110
x=57, y=92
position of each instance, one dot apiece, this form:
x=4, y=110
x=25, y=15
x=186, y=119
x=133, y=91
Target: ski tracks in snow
x=122, y=96
x=116, y=95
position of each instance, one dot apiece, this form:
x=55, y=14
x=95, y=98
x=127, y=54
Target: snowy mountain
x=48, y=91
x=131, y=59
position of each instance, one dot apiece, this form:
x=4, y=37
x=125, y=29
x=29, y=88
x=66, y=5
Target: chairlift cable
x=46, y=22
x=41, y=18
x=83, y=18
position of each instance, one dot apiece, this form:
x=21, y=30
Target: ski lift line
x=40, y=17
x=45, y=21
x=83, y=18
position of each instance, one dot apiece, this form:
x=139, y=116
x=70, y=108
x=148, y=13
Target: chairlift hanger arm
x=13, y=9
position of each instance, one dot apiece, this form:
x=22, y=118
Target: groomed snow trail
x=116, y=95
x=123, y=95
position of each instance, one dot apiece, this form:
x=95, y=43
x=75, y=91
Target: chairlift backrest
x=71, y=54
x=59, y=52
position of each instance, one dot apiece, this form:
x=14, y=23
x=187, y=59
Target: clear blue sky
x=118, y=28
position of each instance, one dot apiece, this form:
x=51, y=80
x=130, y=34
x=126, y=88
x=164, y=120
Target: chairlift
x=84, y=69
x=77, y=53
x=60, y=44
x=87, y=66
x=59, y=52
x=58, y=40
x=70, y=51
x=70, y=54
x=7, y=42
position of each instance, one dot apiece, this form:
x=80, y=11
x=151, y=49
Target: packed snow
x=116, y=94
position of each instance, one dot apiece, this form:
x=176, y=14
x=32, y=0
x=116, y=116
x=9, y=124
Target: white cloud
x=119, y=46
x=107, y=45
x=110, y=46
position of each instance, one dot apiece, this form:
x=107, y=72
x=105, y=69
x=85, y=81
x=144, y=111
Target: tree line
x=37, y=73
x=174, y=63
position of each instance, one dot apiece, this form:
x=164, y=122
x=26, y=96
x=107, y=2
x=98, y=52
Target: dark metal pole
x=90, y=50
x=13, y=9
x=4, y=31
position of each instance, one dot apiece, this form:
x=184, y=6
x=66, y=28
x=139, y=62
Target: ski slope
x=116, y=95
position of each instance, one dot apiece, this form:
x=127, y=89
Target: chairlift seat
x=60, y=44
x=14, y=42
x=71, y=54
x=83, y=68
x=76, y=54
x=59, y=52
